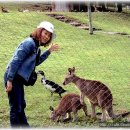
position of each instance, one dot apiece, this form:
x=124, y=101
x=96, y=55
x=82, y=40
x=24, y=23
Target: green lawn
x=100, y=56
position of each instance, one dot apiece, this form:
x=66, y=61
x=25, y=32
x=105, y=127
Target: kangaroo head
x=70, y=76
x=53, y=115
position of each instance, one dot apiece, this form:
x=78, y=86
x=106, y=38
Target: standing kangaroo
x=97, y=93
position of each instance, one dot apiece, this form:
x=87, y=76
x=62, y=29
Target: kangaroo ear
x=51, y=108
x=69, y=69
x=73, y=69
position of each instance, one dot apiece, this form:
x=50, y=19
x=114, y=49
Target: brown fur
x=4, y=10
x=69, y=103
x=97, y=93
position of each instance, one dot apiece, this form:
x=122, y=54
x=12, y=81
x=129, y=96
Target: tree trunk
x=119, y=6
x=90, y=19
x=103, y=7
x=60, y=6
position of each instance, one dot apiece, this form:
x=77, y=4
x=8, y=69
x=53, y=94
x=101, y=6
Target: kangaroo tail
x=122, y=115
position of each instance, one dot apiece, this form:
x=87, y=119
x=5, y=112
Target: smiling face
x=45, y=37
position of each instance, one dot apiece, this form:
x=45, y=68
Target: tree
x=90, y=19
x=119, y=6
x=60, y=6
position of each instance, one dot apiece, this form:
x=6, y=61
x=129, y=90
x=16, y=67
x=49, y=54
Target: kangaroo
x=97, y=93
x=69, y=103
x=4, y=10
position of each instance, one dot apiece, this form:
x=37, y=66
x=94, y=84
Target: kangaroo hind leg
x=101, y=97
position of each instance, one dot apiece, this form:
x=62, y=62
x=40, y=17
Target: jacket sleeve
x=20, y=54
x=43, y=57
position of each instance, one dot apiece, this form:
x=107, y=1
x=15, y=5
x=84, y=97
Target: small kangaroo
x=97, y=93
x=4, y=10
x=69, y=103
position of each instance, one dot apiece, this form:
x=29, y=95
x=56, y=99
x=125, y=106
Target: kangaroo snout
x=63, y=83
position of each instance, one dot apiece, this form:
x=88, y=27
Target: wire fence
x=103, y=56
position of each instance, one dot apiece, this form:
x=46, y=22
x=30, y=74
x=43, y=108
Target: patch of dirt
x=80, y=25
x=113, y=33
x=71, y=21
x=35, y=7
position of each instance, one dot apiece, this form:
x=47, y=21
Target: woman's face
x=45, y=37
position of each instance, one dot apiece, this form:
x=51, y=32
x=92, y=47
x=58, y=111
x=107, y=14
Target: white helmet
x=48, y=26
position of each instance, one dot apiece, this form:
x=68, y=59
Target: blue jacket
x=23, y=61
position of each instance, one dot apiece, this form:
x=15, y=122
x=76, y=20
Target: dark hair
x=37, y=34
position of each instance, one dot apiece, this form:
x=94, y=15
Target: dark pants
x=17, y=104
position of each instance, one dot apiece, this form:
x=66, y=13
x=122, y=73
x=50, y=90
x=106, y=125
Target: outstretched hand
x=54, y=47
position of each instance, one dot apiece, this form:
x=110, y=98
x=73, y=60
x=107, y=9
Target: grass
x=100, y=57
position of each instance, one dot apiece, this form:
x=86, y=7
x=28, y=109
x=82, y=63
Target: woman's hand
x=54, y=47
x=9, y=86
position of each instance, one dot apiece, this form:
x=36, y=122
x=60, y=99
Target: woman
x=21, y=66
